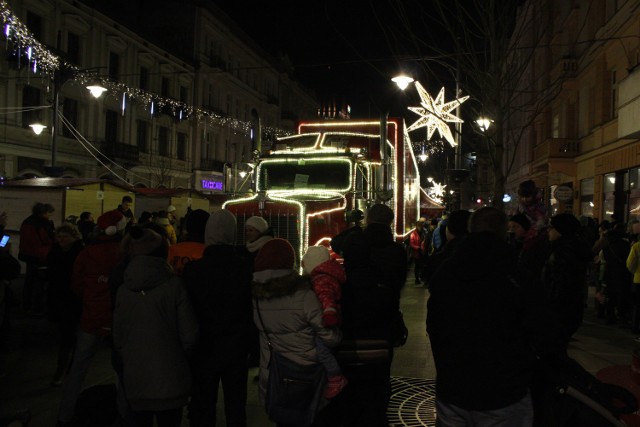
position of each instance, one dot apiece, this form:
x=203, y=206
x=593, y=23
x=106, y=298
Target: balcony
x=553, y=148
x=210, y=164
x=565, y=68
x=120, y=151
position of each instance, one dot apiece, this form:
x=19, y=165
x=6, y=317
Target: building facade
x=584, y=149
x=189, y=94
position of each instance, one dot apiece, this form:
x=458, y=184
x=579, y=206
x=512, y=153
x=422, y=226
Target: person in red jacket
x=36, y=240
x=327, y=277
x=90, y=281
x=416, y=243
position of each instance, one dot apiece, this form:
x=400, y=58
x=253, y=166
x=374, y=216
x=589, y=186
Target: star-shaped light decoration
x=436, y=114
x=436, y=191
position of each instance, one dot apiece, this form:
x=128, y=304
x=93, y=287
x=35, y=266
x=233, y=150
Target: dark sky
x=346, y=51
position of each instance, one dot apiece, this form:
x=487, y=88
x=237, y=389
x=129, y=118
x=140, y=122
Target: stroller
x=566, y=395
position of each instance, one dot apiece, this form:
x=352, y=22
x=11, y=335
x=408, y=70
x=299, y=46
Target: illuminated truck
x=309, y=183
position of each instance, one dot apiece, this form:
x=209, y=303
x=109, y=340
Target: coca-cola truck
x=308, y=184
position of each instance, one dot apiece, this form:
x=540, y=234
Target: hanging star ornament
x=436, y=114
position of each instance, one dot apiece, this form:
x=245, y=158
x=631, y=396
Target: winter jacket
x=154, y=331
x=633, y=262
x=487, y=322
x=62, y=304
x=171, y=232
x=327, y=280
x=376, y=269
x=416, y=243
x=219, y=286
x=615, y=251
x=292, y=317
x=90, y=281
x=36, y=239
x=564, y=278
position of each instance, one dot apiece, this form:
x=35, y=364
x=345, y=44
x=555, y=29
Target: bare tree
x=495, y=50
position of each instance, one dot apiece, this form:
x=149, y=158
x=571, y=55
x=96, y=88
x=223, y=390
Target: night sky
x=344, y=51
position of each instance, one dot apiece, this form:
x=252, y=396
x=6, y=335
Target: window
x=111, y=126
x=114, y=66
x=555, y=131
x=34, y=24
x=583, y=112
x=73, y=48
x=31, y=98
x=142, y=136
x=181, y=149
x=163, y=141
x=70, y=113
x=184, y=94
x=613, y=113
x=144, y=78
x=586, y=196
x=164, y=89
x=634, y=194
x=609, y=186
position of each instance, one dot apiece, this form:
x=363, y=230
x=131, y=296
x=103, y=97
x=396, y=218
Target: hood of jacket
x=482, y=254
x=280, y=286
x=331, y=268
x=146, y=272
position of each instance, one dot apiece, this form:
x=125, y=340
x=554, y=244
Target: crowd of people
x=186, y=312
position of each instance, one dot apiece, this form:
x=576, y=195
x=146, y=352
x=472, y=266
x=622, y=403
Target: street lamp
x=37, y=128
x=484, y=123
x=59, y=79
x=402, y=81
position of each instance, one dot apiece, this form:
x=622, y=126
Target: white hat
x=171, y=208
x=258, y=223
x=314, y=256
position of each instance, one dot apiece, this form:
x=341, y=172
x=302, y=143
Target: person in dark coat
x=154, y=332
x=90, y=282
x=63, y=306
x=616, y=278
x=86, y=225
x=456, y=230
x=487, y=324
x=533, y=248
x=219, y=285
x=565, y=272
x=376, y=270
x=36, y=240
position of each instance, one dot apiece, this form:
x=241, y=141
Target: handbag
x=294, y=391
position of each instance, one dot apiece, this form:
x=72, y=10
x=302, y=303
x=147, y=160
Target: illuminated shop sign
x=211, y=185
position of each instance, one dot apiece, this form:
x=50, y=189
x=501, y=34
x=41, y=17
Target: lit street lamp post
x=59, y=79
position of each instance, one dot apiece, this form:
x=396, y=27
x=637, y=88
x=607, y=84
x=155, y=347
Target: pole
x=54, y=121
x=458, y=149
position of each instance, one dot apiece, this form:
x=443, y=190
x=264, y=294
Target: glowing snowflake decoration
x=436, y=114
x=436, y=191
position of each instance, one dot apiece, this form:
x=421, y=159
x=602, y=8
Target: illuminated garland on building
x=39, y=59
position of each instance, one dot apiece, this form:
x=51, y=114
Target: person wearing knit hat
x=564, y=273
x=327, y=278
x=257, y=232
x=112, y=222
x=192, y=247
x=287, y=309
x=565, y=224
x=219, y=285
x=376, y=269
x=163, y=220
x=154, y=332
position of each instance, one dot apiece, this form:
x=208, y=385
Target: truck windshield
x=305, y=174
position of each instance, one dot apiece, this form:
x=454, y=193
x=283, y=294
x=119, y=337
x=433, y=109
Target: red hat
x=276, y=254
x=111, y=222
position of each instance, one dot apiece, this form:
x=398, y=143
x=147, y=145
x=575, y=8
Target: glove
x=330, y=318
